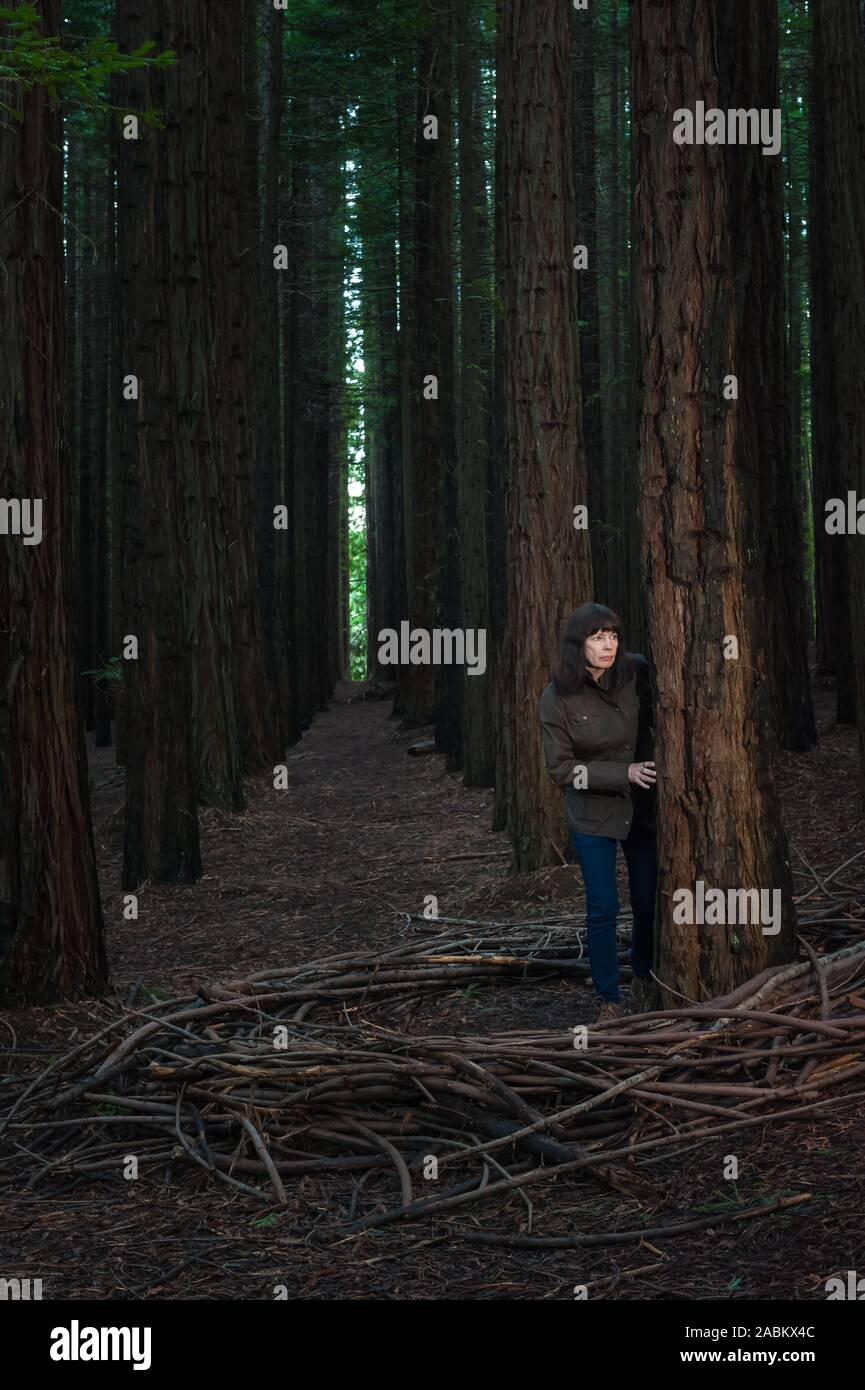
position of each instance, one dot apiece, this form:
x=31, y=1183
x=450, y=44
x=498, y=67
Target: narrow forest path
x=334, y=863
x=364, y=832
x=361, y=836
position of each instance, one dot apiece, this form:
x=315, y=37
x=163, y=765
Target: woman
x=596, y=718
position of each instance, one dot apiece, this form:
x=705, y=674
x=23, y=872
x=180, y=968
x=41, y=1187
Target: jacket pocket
x=593, y=807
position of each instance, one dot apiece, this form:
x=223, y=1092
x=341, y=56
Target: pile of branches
x=291, y=1072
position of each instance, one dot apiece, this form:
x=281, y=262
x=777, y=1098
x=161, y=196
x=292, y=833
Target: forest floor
x=334, y=863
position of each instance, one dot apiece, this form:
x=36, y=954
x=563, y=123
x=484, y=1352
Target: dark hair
x=570, y=673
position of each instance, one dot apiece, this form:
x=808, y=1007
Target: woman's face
x=601, y=649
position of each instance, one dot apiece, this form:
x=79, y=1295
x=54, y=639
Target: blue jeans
x=597, y=859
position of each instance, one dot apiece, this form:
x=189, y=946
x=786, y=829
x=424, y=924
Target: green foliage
x=109, y=674
x=76, y=74
x=357, y=585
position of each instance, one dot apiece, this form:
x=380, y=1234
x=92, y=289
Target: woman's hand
x=642, y=774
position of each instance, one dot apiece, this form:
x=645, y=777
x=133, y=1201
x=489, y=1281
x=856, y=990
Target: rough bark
x=827, y=237
x=51, y=931
x=161, y=829
x=748, y=78
x=498, y=484
x=843, y=84
x=549, y=564
x=189, y=147
x=427, y=527
x=104, y=438
x=478, y=745
x=232, y=277
x=718, y=812
x=405, y=98
x=586, y=203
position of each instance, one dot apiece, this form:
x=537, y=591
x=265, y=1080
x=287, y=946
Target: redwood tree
x=839, y=325
x=549, y=564
x=718, y=812
x=161, y=829
x=51, y=932
x=478, y=748
x=429, y=520
x=748, y=79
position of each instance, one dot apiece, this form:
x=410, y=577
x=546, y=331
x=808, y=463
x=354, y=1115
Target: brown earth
x=335, y=863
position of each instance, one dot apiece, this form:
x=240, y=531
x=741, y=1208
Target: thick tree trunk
x=320, y=399
x=161, y=834
x=549, y=564
x=232, y=33
x=617, y=463
x=827, y=235
x=312, y=319
x=381, y=418
x=718, y=813
x=90, y=406
x=499, y=471
x=51, y=932
x=118, y=465
x=828, y=555
x=586, y=202
x=478, y=745
x=190, y=149
x=405, y=101
x=842, y=53
x=77, y=258
x=275, y=549
x=748, y=78
x=441, y=415
x=429, y=518
x=104, y=437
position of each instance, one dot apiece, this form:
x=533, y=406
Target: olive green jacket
x=590, y=739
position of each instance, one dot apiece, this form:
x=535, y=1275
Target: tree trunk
x=499, y=470
x=104, y=435
x=378, y=225
x=192, y=173
x=273, y=545
x=89, y=405
x=826, y=234
x=51, y=931
x=337, y=463
x=718, y=813
x=748, y=78
x=232, y=33
x=405, y=101
x=586, y=200
x=478, y=747
x=549, y=564
x=428, y=517
x=842, y=49
x=161, y=835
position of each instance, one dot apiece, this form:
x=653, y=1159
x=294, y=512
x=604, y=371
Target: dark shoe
x=608, y=1011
